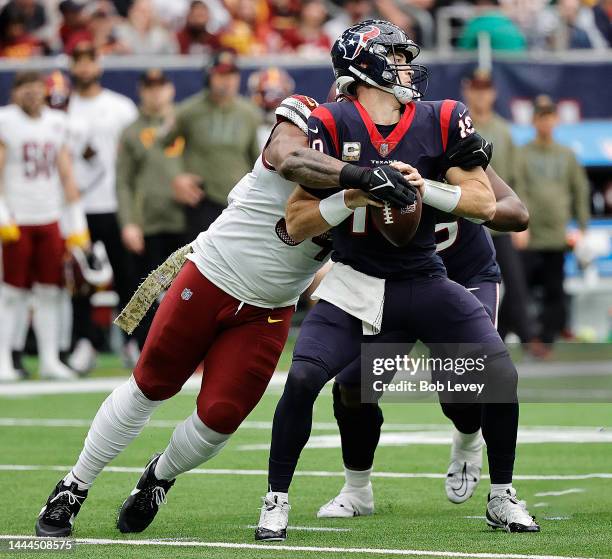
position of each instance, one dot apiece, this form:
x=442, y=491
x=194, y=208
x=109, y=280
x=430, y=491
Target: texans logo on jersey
x=353, y=46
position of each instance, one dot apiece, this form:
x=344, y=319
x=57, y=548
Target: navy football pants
x=434, y=310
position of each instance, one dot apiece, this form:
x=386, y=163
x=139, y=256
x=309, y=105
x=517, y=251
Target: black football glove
x=383, y=183
x=472, y=151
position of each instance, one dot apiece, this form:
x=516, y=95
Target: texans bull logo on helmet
x=360, y=39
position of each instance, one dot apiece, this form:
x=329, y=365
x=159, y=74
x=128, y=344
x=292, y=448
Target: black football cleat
x=56, y=518
x=140, y=508
x=19, y=366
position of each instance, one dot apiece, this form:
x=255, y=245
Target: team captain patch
x=351, y=151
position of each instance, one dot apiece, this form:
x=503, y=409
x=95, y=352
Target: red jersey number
x=38, y=159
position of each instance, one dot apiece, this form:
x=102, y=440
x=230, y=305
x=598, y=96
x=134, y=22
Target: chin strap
x=402, y=93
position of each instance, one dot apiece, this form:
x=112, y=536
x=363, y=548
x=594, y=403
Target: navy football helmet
x=360, y=54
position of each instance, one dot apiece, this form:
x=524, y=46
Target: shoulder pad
x=296, y=109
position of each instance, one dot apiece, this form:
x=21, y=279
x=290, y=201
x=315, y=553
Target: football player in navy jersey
x=374, y=287
x=469, y=257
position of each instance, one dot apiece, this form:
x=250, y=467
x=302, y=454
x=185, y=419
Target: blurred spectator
x=152, y=222
x=503, y=32
x=353, y=11
x=195, y=38
x=554, y=187
x=283, y=14
x=101, y=18
x=122, y=7
x=567, y=25
x=480, y=94
x=73, y=26
x=99, y=116
x=414, y=16
x=603, y=19
x=141, y=34
x=309, y=36
x=268, y=88
x=172, y=14
x=30, y=12
x=16, y=41
x=249, y=32
x=221, y=146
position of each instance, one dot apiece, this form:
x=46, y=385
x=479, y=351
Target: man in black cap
x=221, y=146
x=555, y=189
x=152, y=222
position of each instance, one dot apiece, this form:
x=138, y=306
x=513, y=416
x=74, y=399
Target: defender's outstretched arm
x=510, y=214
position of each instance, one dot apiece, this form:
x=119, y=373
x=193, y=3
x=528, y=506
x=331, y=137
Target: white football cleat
x=7, y=371
x=462, y=478
x=8, y=374
x=56, y=371
x=463, y=474
x=507, y=512
x=351, y=501
x=273, y=519
x=83, y=358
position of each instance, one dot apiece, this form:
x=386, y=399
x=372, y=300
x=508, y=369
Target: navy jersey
x=426, y=129
x=467, y=251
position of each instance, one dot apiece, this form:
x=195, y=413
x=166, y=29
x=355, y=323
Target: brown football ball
x=396, y=225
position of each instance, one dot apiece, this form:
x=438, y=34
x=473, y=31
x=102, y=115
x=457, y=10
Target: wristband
x=5, y=214
x=440, y=195
x=333, y=209
x=75, y=216
x=353, y=176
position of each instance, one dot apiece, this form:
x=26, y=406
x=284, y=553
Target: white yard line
x=276, y=547
x=94, y=385
x=302, y=473
x=427, y=434
x=308, y=528
x=559, y=493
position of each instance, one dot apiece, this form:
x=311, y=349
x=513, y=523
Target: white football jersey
x=31, y=180
x=247, y=251
x=96, y=124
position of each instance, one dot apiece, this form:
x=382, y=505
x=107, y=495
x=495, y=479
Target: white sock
x=70, y=478
x=498, y=488
x=467, y=447
x=11, y=300
x=65, y=321
x=192, y=444
x=46, y=324
x=357, y=479
x=119, y=420
x=21, y=323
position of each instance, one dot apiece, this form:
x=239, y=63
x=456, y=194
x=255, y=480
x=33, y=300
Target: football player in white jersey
x=35, y=178
x=230, y=307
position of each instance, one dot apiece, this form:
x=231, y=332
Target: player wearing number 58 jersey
x=35, y=179
x=229, y=307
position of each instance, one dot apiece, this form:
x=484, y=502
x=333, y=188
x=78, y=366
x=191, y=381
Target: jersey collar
x=384, y=146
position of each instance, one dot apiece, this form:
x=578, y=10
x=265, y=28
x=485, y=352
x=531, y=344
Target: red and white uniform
x=34, y=194
x=31, y=182
x=231, y=305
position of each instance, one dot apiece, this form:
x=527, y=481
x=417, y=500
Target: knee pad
x=348, y=395
x=222, y=416
x=306, y=379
